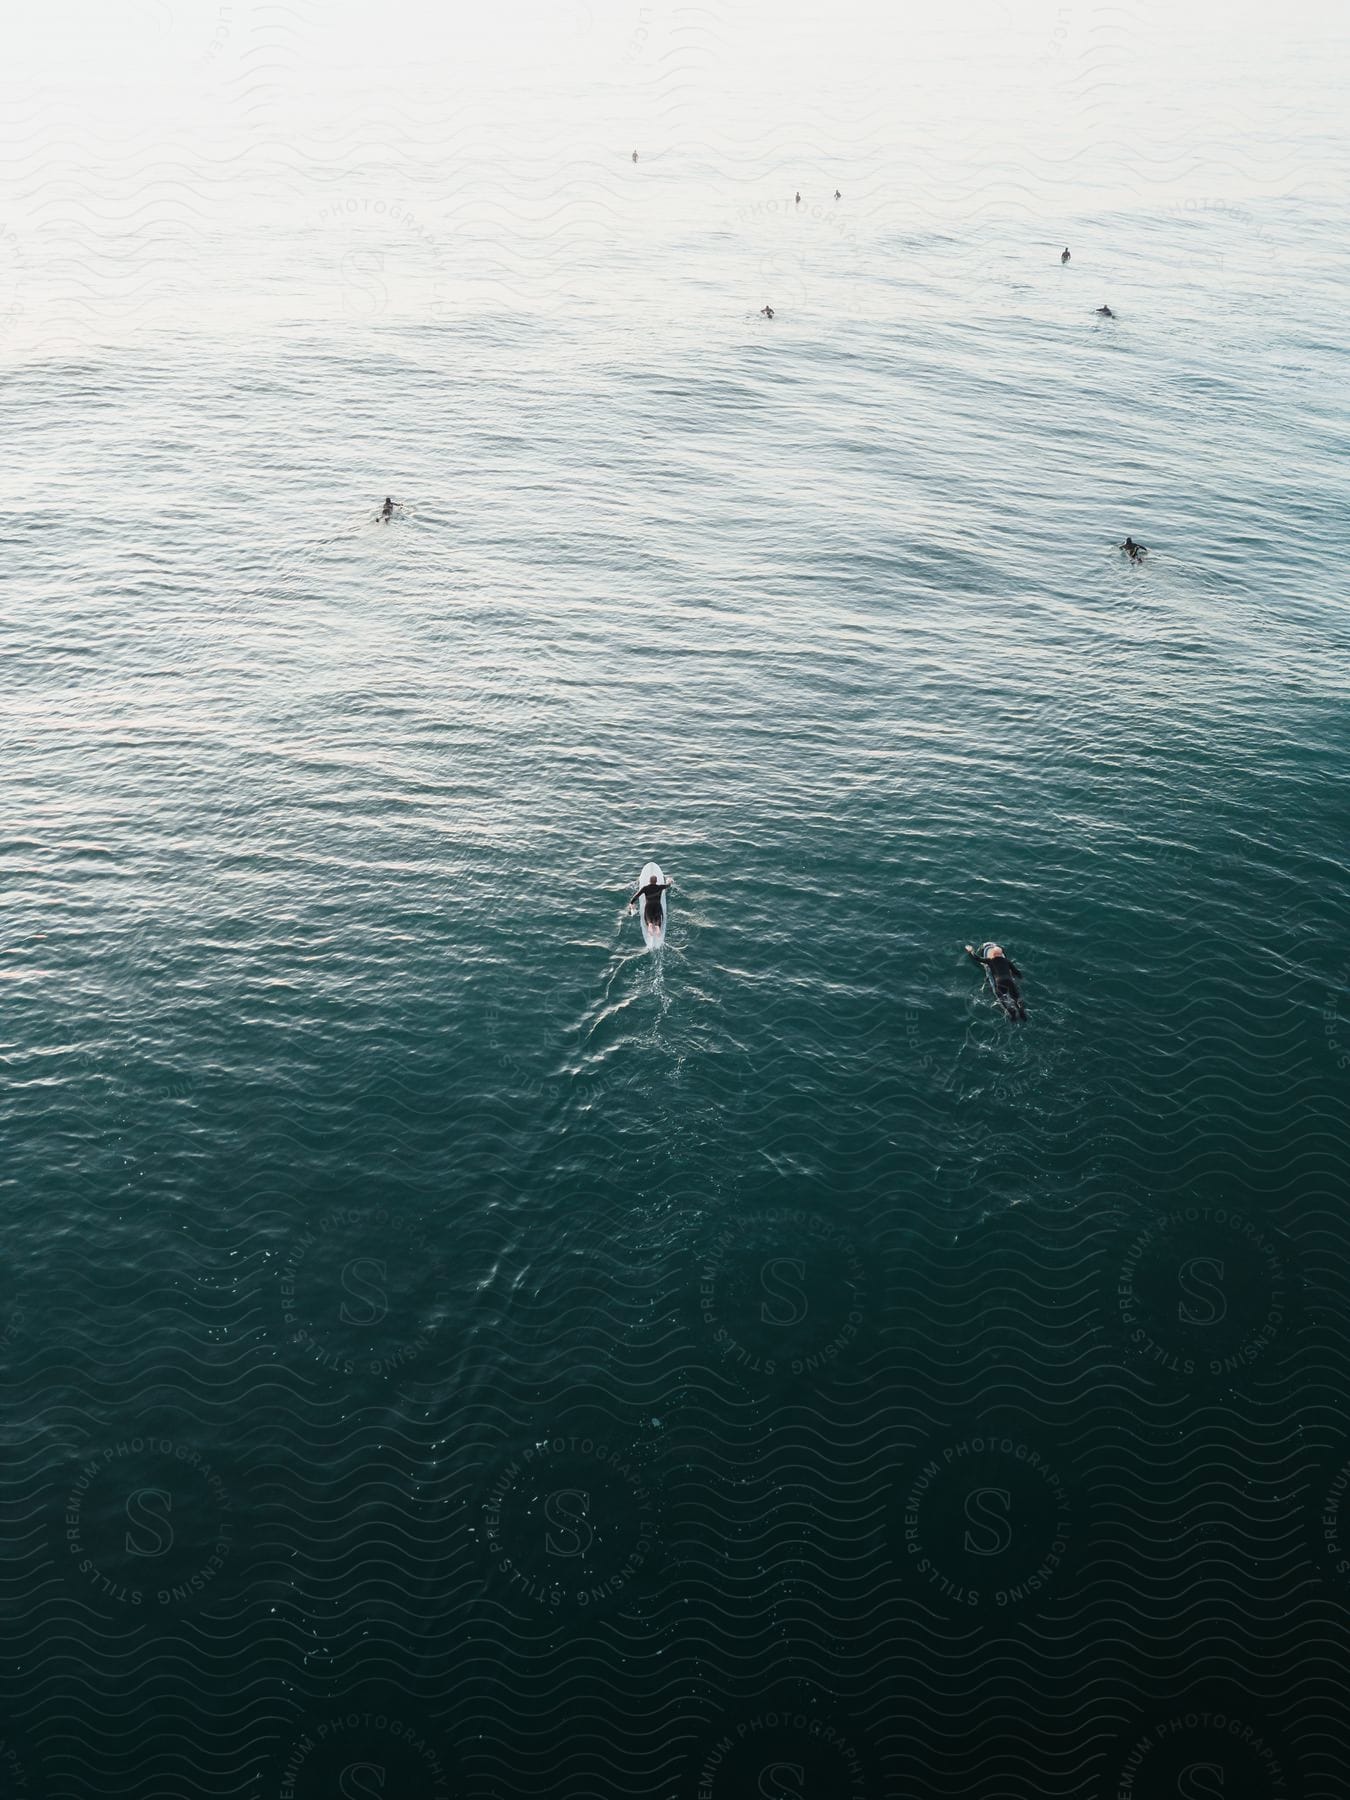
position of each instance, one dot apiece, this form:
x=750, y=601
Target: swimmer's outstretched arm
x=974, y=955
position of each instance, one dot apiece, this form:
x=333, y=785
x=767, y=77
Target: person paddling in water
x=1132, y=550
x=387, y=510
x=651, y=898
x=1003, y=975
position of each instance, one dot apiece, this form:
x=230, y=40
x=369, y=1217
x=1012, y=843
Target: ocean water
x=449, y=1351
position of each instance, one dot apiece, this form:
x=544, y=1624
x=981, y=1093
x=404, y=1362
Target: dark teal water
x=448, y=1351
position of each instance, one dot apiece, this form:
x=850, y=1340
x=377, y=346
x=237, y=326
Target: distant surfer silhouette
x=799, y=199
x=837, y=194
x=1132, y=550
x=1064, y=255
x=635, y=156
x=766, y=312
x=1106, y=312
x=387, y=510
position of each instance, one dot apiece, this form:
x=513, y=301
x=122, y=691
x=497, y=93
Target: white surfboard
x=653, y=930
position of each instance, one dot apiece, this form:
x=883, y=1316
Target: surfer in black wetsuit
x=1132, y=550
x=387, y=510
x=766, y=312
x=1003, y=975
x=1105, y=312
x=1064, y=256
x=651, y=894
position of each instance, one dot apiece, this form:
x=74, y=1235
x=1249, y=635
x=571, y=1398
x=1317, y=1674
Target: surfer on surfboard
x=1002, y=974
x=651, y=890
x=650, y=895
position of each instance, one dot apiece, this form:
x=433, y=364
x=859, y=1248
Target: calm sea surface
x=448, y=1351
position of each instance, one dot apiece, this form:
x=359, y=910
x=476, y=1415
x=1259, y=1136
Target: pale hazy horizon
x=149, y=146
